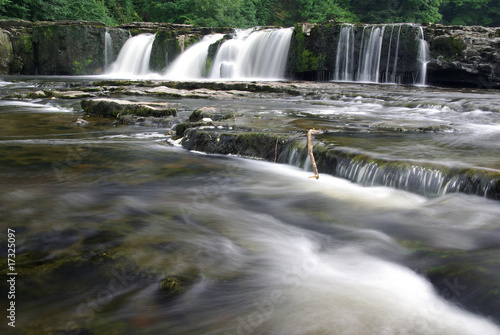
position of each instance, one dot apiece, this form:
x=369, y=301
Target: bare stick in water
x=276, y=151
x=310, y=150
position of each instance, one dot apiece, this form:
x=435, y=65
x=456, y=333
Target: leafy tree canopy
x=247, y=13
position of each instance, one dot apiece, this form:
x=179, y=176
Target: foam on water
x=35, y=106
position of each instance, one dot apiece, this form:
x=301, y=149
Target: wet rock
x=24, y=58
x=468, y=278
x=80, y=122
x=463, y=56
x=119, y=108
x=212, y=113
x=248, y=144
x=62, y=48
x=6, y=52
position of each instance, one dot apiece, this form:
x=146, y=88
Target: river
x=119, y=230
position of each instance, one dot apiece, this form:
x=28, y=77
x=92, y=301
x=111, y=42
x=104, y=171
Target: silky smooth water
x=104, y=213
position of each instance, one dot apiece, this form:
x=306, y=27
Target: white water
x=371, y=50
x=253, y=55
x=294, y=280
x=369, y=57
x=309, y=287
x=108, y=49
x=423, y=51
x=395, y=65
x=133, y=59
x=344, y=65
x=191, y=64
x=227, y=56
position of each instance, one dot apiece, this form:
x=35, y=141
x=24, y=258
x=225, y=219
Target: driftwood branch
x=310, y=150
x=276, y=151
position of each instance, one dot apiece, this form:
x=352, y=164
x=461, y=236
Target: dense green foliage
x=471, y=12
x=246, y=13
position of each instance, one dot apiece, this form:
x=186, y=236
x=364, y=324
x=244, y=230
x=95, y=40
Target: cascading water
x=378, y=53
x=108, y=49
x=369, y=61
x=395, y=64
x=133, y=59
x=253, y=55
x=191, y=64
x=344, y=65
x=249, y=55
x=227, y=56
x=423, y=51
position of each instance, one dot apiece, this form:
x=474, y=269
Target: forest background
x=248, y=13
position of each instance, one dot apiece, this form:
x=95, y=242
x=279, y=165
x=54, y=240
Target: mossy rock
x=173, y=286
x=210, y=112
x=6, y=52
x=63, y=49
x=247, y=144
x=449, y=47
x=110, y=108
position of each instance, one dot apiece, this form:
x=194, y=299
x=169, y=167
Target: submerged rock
x=173, y=286
x=80, y=122
x=467, y=278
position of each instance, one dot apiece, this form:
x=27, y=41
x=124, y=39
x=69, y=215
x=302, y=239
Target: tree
x=471, y=12
x=417, y=11
x=53, y=10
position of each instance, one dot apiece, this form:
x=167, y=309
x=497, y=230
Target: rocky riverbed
x=141, y=206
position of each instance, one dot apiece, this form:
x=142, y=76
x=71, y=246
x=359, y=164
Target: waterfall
x=395, y=65
x=423, y=51
x=227, y=56
x=252, y=54
x=191, y=64
x=108, y=49
x=133, y=58
x=369, y=65
x=381, y=55
x=344, y=64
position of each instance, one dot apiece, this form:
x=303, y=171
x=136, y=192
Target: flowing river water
x=119, y=230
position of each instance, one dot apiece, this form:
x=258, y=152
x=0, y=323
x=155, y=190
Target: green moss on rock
x=173, y=286
x=109, y=108
x=447, y=46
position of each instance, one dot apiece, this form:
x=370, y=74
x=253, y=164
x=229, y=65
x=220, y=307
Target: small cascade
x=369, y=56
x=134, y=56
x=344, y=64
x=108, y=49
x=423, y=51
x=191, y=64
x=403, y=175
x=253, y=54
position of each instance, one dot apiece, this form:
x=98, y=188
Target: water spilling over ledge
x=250, y=55
x=373, y=54
x=428, y=180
